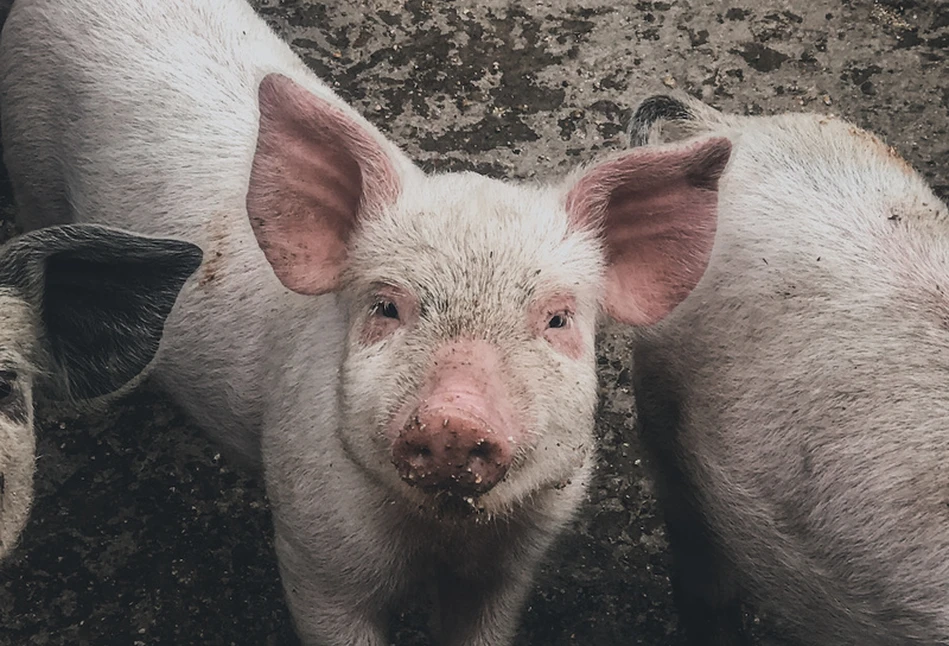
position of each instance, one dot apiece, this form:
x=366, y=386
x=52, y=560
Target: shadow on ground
x=144, y=534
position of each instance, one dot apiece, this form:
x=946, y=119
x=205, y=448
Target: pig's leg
x=479, y=602
x=705, y=593
x=482, y=611
x=706, y=596
x=332, y=608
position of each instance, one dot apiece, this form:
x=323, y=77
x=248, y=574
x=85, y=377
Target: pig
x=81, y=313
x=408, y=358
x=793, y=404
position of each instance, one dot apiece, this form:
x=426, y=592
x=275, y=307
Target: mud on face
x=473, y=327
x=17, y=441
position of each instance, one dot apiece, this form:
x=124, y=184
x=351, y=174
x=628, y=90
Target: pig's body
x=796, y=402
x=409, y=356
x=169, y=135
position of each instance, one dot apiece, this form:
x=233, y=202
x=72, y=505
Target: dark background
x=143, y=534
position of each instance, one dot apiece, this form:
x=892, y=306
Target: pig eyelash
x=385, y=309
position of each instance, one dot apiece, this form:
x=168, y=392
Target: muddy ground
x=144, y=534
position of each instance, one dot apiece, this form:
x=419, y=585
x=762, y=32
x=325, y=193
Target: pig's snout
x=451, y=449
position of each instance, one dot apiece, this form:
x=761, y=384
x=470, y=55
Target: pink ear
x=315, y=173
x=657, y=209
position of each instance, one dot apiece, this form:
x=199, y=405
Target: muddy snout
x=450, y=449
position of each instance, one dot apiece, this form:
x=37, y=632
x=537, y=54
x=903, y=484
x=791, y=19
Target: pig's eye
x=7, y=378
x=386, y=309
x=558, y=321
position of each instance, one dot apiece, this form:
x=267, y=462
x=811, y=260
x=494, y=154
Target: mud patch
x=761, y=57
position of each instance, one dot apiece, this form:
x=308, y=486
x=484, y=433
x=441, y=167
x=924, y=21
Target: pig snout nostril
x=418, y=454
x=486, y=464
x=483, y=451
x=413, y=459
x=451, y=453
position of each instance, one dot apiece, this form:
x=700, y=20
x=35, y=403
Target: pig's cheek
x=568, y=340
x=376, y=329
x=17, y=451
x=371, y=389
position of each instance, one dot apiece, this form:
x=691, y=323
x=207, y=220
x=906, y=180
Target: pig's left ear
x=657, y=208
x=102, y=295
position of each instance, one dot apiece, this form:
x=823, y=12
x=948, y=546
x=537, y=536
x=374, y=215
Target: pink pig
x=408, y=357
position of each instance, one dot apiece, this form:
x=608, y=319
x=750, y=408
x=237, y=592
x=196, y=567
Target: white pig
x=81, y=313
x=409, y=357
x=796, y=403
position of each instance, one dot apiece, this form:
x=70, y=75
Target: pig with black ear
x=81, y=313
x=410, y=357
x=796, y=403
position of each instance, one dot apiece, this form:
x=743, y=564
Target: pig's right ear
x=656, y=209
x=316, y=172
x=103, y=296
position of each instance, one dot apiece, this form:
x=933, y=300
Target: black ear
x=659, y=107
x=103, y=297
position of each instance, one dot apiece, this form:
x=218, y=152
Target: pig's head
x=81, y=310
x=472, y=303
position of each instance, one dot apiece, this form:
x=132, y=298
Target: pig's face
x=470, y=367
x=17, y=444
x=82, y=308
x=472, y=303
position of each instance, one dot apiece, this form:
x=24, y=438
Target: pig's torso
x=191, y=169
x=803, y=385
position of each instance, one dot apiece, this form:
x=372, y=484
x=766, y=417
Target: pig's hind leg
x=706, y=596
x=705, y=592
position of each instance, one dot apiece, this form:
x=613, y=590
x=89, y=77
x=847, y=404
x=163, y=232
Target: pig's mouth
x=445, y=471
x=459, y=496
x=463, y=501
x=448, y=509
x=454, y=507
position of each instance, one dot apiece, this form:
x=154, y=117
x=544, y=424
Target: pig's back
x=142, y=114
x=802, y=386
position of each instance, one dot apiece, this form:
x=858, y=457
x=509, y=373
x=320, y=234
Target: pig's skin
x=17, y=440
x=795, y=402
x=162, y=136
